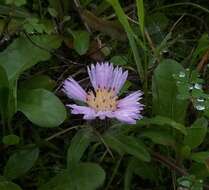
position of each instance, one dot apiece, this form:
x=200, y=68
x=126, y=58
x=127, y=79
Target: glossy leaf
x=41, y=107
x=164, y=90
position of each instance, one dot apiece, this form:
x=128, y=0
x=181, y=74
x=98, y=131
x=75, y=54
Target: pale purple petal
x=131, y=100
x=103, y=114
x=129, y=108
x=101, y=75
x=118, y=79
x=73, y=90
x=108, y=72
x=88, y=112
x=92, y=76
x=126, y=116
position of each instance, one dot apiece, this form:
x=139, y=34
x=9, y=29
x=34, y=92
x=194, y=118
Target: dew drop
x=200, y=99
x=200, y=107
x=182, y=74
x=198, y=86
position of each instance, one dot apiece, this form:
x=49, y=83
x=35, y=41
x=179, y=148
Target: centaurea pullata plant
x=103, y=101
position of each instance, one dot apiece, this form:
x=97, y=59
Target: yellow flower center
x=102, y=100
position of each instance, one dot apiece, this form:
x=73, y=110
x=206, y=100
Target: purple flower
x=103, y=101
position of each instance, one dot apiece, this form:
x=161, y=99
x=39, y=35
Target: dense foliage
x=165, y=47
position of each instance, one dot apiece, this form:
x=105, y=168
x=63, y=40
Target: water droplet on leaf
x=200, y=99
x=200, y=107
x=198, y=86
x=182, y=74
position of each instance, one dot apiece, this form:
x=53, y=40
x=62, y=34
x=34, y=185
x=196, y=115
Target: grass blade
x=124, y=21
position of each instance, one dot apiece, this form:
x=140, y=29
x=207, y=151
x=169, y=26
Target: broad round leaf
x=41, y=107
x=20, y=162
x=21, y=54
x=196, y=133
x=86, y=176
x=81, y=41
x=164, y=91
x=40, y=81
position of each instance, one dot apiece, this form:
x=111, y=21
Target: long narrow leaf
x=140, y=12
x=124, y=21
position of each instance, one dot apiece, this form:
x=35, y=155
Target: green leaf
x=185, y=151
x=156, y=23
x=40, y=81
x=61, y=181
x=86, y=176
x=190, y=182
x=52, y=12
x=18, y=3
x=78, y=145
x=130, y=34
x=16, y=58
x=61, y=7
x=142, y=169
x=34, y=25
x=163, y=121
x=20, y=162
x=41, y=107
x=202, y=47
x=7, y=185
x=119, y=60
x=164, y=90
x=196, y=133
x=159, y=137
x=140, y=13
x=199, y=170
x=11, y=139
x=81, y=41
x=129, y=145
x=200, y=157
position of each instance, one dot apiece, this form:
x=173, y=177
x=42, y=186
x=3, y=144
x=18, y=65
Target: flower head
x=103, y=100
